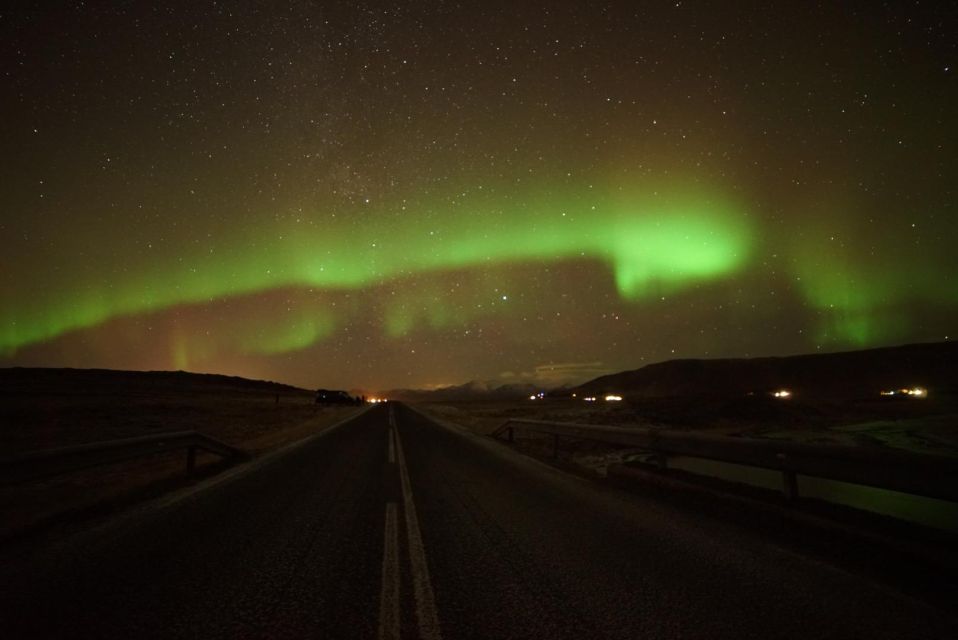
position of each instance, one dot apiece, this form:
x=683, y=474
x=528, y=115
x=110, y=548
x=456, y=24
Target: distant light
x=589, y=398
x=783, y=393
x=913, y=392
x=613, y=398
x=533, y=397
x=573, y=395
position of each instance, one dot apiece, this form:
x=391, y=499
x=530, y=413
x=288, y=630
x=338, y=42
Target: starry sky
x=377, y=195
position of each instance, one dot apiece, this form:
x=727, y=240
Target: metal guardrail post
x=790, y=485
x=789, y=480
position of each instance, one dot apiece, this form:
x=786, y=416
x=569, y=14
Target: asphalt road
x=391, y=525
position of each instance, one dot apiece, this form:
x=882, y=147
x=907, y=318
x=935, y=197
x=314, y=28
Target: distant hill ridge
x=844, y=374
x=27, y=380
x=474, y=390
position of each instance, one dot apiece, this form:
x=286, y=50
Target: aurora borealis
x=365, y=195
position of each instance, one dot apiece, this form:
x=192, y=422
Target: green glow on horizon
x=649, y=242
x=860, y=302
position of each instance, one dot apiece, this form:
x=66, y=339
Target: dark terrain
x=392, y=524
x=842, y=375
x=48, y=408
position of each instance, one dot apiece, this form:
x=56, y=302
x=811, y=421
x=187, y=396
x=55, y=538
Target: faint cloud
x=557, y=374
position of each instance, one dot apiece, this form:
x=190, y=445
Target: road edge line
x=426, y=613
x=389, y=616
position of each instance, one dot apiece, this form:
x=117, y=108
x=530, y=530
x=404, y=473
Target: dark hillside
x=19, y=381
x=853, y=374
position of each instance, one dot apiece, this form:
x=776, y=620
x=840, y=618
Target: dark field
x=43, y=409
x=925, y=425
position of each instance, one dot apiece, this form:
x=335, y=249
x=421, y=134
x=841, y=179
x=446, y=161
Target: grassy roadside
x=255, y=421
x=922, y=427
x=930, y=433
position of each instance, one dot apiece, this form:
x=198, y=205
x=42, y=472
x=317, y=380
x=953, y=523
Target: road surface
x=392, y=525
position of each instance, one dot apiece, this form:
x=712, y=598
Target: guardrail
x=40, y=465
x=926, y=475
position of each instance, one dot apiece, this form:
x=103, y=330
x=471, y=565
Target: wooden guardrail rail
x=39, y=465
x=933, y=476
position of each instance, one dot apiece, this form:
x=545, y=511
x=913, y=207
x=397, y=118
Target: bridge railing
x=40, y=465
x=928, y=475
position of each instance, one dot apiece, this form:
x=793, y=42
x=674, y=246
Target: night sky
x=376, y=195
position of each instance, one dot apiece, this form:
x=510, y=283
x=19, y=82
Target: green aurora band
x=255, y=334
x=863, y=306
x=663, y=242
x=866, y=292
